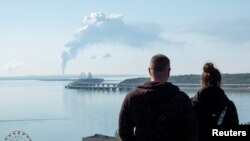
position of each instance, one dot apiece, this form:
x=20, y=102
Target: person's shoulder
x=178, y=93
x=172, y=87
x=184, y=96
x=135, y=92
x=231, y=104
x=195, y=98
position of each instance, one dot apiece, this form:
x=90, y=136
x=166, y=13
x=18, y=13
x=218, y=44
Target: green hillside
x=195, y=79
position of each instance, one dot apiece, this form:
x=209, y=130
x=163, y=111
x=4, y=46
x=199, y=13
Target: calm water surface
x=48, y=112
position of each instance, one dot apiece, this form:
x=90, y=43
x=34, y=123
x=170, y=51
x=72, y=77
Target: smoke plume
x=100, y=28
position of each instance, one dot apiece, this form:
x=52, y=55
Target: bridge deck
x=117, y=86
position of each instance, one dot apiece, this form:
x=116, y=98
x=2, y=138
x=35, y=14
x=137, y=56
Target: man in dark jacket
x=157, y=110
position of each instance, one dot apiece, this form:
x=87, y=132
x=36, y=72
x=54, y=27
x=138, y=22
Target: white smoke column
x=98, y=28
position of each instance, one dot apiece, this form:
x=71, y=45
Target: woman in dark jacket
x=211, y=105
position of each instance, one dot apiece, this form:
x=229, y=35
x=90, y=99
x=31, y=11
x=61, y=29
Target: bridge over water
x=129, y=86
x=101, y=86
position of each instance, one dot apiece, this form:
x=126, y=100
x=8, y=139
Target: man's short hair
x=159, y=62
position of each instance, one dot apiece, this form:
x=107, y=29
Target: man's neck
x=157, y=80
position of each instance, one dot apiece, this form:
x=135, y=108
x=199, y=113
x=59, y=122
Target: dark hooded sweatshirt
x=157, y=111
x=208, y=104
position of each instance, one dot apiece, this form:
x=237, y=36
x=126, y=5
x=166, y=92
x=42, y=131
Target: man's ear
x=149, y=71
x=169, y=70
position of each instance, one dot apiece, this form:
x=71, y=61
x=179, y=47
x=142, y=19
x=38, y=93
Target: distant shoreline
x=241, y=78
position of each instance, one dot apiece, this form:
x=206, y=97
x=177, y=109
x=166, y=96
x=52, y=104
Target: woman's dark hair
x=210, y=75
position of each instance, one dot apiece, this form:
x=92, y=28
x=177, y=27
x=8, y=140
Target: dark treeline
x=226, y=78
x=242, y=78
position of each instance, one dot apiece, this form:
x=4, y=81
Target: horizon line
x=69, y=75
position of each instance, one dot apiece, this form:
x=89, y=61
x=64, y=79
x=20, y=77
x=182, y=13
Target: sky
x=120, y=36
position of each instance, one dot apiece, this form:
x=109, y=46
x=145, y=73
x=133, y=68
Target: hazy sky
x=120, y=36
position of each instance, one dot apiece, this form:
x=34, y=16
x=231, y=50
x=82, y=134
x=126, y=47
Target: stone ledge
x=99, y=137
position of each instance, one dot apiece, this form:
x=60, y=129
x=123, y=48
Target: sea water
x=48, y=112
